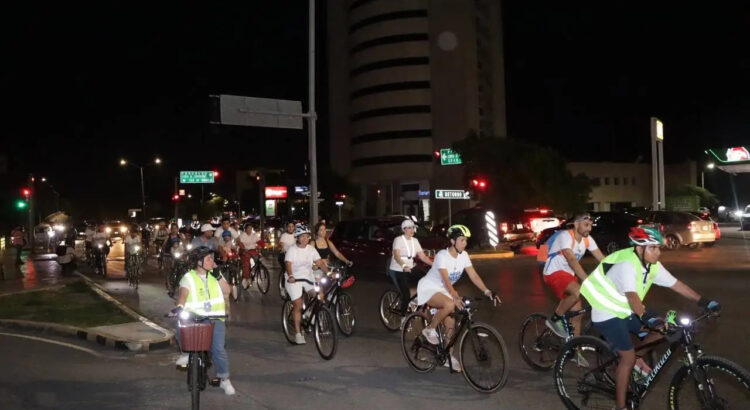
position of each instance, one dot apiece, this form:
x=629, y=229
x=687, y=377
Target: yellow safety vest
x=205, y=297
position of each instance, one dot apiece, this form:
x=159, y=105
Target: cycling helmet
x=407, y=223
x=301, y=229
x=456, y=231
x=198, y=254
x=226, y=232
x=645, y=236
x=207, y=227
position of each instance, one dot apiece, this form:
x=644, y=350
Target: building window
x=632, y=181
x=625, y=180
x=616, y=180
x=606, y=180
x=596, y=181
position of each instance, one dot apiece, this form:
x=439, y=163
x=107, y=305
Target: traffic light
x=175, y=197
x=216, y=174
x=21, y=204
x=479, y=183
x=26, y=192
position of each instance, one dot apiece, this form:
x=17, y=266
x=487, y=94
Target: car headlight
x=108, y=229
x=123, y=229
x=738, y=213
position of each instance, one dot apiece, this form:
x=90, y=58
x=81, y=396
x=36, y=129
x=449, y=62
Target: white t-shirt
x=100, y=238
x=89, y=234
x=249, y=241
x=302, y=260
x=454, y=266
x=287, y=240
x=130, y=243
x=220, y=230
x=563, y=240
x=623, y=275
x=407, y=251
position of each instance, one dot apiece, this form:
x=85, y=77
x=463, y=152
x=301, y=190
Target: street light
x=124, y=162
x=709, y=166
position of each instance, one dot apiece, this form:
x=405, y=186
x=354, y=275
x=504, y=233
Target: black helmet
x=198, y=254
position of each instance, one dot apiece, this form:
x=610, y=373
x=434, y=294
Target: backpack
x=543, y=257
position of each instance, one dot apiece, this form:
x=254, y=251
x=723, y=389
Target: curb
x=157, y=343
x=493, y=255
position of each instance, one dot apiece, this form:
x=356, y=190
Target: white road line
x=55, y=342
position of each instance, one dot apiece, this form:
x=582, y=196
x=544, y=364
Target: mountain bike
x=482, y=353
x=316, y=319
x=389, y=309
x=232, y=272
x=702, y=381
x=100, y=260
x=134, y=267
x=338, y=300
x=539, y=345
x=259, y=274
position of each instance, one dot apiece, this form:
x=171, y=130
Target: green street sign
x=450, y=157
x=196, y=177
x=452, y=194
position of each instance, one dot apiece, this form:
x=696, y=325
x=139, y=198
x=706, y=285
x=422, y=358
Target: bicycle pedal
x=215, y=382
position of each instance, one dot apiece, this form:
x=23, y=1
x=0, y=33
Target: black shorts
x=617, y=331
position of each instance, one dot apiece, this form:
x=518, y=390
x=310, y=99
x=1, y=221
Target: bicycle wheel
x=287, y=321
x=137, y=274
x=539, y=346
x=194, y=372
x=389, y=309
x=345, y=316
x=584, y=374
x=717, y=383
x=282, y=289
x=262, y=279
x=418, y=352
x=483, y=357
x=325, y=333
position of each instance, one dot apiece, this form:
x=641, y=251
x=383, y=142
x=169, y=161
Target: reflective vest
x=601, y=292
x=205, y=297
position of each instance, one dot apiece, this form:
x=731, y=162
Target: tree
x=522, y=175
x=706, y=197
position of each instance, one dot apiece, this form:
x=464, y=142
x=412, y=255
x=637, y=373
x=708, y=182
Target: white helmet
x=207, y=227
x=407, y=223
x=301, y=229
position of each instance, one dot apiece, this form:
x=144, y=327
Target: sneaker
x=182, y=361
x=299, y=339
x=245, y=284
x=226, y=385
x=454, y=363
x=580, y=360
x=557, y=327
x=431, y=335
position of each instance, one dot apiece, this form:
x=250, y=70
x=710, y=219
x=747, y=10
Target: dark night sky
x=82, y=87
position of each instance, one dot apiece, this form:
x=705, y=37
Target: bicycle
x=134, y=267
x=339, y=300
x=259, y=274
x=233, y=274
x=539, y=345
x=482, y=353
x=196, y=336
x=390, y=309
x=178, y=265
x=100, y=260
x=694, y=385
x=316, y=319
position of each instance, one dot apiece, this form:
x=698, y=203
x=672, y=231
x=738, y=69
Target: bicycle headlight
x=184, y=315
x=685, y=321
x=189, y=246
x=177, y=255
x=338, y=275
x=317, y=288
x=108, y=229
x=324, y=280
x=99, y=246
x=137, y=248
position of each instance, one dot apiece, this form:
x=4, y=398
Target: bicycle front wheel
x=282, y=289
x=717, y=383
x=325, y=333
x=585, y=374
x=538, y=344
x=262, y=279
x=389, y=309
x=483, y=357
x=287, y=321
x=418, y=352
x=194, y=371
x=345, y=316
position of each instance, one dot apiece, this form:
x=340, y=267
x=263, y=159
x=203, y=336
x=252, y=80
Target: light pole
x=124, y=162
x=57, y=194
x=709, y=166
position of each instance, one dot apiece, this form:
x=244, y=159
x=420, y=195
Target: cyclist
x=616, y=289
x=325, y=247
x=286, y=240
x=89, y=237
x=131, y=241
x=248, y=242
x=226, y=226
x=436, y=288
x=566, y=248
x=204, y=294
x=101, y=237
x=206, y=238
x=227, y=247
x=405, y=249
x=160, y=235
x=299, y=262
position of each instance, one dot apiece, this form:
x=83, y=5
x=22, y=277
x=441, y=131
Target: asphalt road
x=368, y=370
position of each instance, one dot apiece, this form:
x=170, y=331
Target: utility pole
x=312, y=118
x=177, y=200
x=32, y=190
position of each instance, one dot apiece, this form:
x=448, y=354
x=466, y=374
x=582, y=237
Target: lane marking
x=55, y=342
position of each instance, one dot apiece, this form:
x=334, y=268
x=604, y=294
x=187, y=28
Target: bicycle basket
x=348, y=282
x=196, y=337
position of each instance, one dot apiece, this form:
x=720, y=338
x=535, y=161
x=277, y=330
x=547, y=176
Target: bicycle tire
x=193, y=381
x=731, y=371
x=537, y=340
x=346, y=316
x=419, y=354
x=594, y=350
x=325, y=330
x=390, y=300
x=282, y=290
x=262, y=278
x=287, y=321
x=483, y=334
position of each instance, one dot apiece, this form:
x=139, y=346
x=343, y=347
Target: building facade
x=616, y=186
x=407, y=78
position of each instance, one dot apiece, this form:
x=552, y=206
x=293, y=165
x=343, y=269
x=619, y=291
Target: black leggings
x=401, y=281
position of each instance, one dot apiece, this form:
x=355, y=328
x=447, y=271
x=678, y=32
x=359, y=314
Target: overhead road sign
x=196, y=177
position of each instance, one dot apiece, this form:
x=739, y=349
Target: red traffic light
x=216, y=174
x=437, y=154
x=479, y=183
x=175, y=197
x=26, y=192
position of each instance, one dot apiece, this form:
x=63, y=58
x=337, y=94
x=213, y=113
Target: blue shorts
x=617, y=331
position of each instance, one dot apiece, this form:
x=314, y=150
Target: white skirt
x=427, y=287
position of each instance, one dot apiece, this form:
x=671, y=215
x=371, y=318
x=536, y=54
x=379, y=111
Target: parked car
x=682, y=228
x=510, y=228
x=610, y=229
x=706, y=216
x=745, y=219
x=539, y=219
x=369, y=241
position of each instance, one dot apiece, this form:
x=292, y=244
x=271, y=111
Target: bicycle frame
x=569, y=329
x=443, y=349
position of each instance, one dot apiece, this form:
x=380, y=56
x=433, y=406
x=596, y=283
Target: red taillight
x=716, y=225
x=543, y=211
x=661, y=228
x=640, y=221
x=504, y=227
